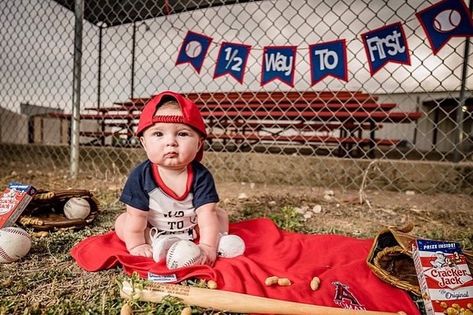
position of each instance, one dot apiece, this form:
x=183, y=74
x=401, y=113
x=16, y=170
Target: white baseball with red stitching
x=76, y=208
x=183, y=254
x=15, y=243
x=231, y=246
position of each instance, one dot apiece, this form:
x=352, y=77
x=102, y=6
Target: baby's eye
x=157, y=134
x=183, y=133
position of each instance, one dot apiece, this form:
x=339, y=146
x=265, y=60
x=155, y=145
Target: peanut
x=211, y=284
x=315, y=283
x=284, y=282
x=126, y=309
x=269, y=281
x=451, y=311
x=186, y=311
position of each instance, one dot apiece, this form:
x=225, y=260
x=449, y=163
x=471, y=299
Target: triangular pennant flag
x=193, y=50
x=444, y=20
x=328, y=59
x=386, y=44
x=232, y=60
x=278, y=63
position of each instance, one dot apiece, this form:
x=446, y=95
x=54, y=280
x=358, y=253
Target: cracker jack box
x=444, y=277
x=13, y=202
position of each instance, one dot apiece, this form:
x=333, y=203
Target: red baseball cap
x=190, y=115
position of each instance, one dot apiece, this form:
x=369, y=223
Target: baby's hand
x=142, y=250
x=209, y=253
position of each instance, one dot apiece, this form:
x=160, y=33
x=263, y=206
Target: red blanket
x=339, y=261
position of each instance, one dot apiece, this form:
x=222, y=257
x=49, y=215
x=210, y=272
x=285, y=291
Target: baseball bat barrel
x=231, y=301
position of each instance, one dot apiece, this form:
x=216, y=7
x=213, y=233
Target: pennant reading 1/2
x=386, y=44
x=232, y=60
x=444, y=20
x=329, y=58
x=278, y=63
x=193, y=50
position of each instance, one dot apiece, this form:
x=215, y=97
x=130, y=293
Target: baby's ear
x=142, y=141
x=201, y=142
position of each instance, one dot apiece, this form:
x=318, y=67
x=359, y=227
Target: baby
x=171, y=196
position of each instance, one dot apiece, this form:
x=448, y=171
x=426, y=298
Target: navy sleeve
x=204, y=186
x=134, y=192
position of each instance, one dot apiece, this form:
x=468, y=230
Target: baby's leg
x=120, y=224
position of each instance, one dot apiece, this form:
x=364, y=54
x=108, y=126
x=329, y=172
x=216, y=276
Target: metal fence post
x=461, y=102
x=75, y=120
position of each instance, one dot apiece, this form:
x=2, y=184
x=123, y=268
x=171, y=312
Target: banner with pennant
x=444, y=20
x=232, y=60
x=328, y=59
x=193, y=50
x=386, y=44
x=278, y=64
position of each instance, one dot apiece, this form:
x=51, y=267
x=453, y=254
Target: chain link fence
x=405, y=125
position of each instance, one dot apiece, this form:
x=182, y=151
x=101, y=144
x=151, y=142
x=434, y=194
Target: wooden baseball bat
x=231, y=301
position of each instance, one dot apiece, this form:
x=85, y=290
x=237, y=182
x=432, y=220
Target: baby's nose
x=171, y=140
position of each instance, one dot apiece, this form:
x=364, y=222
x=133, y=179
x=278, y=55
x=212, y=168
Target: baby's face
x=171, y=145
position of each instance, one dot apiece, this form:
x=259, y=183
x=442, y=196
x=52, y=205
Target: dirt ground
x=438, y=215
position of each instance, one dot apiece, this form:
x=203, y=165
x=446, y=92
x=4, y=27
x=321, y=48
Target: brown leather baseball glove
x=46, y=210
x=390, y=259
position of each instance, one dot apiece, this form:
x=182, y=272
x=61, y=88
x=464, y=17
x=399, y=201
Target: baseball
x=447, y=20
x=193, y=49
x=76, y=208
x=15, y=243
x=183, y=253
x=231, y=246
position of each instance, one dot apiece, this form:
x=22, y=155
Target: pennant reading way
x=193, y=50
x=444, y=20
x=278, y=63
x=232, y=60
x=328, y=59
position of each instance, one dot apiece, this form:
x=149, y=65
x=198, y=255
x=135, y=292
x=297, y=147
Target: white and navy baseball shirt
x=168, y=212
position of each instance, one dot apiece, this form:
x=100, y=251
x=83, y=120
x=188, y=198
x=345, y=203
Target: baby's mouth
x=171, y=155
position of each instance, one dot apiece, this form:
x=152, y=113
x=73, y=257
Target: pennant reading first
x=386, y=44
x=193, y=50
x=444, y=20
x=232, y=60
x=328, y=58
x=278, y=63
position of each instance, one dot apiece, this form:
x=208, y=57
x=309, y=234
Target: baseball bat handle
x=231, y=301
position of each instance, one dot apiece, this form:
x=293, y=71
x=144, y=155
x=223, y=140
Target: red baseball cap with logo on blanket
x=190, y=115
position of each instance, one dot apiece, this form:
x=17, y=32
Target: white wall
x=13, y=127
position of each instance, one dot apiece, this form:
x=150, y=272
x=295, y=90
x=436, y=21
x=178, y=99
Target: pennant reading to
x=328, y=58
x=232, y=60
x=278, y=63
x=193, y=50
x=386, y=44
x=444, y=20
